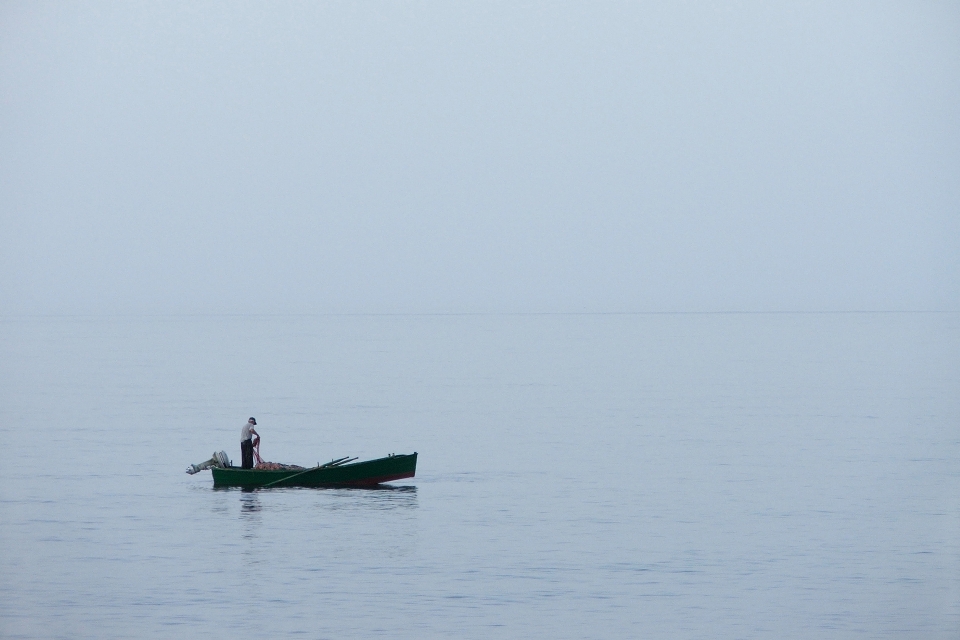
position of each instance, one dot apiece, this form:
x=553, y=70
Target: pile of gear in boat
x=276, y=466
x=221, y=460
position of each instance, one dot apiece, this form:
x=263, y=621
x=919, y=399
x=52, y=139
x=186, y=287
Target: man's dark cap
x=253, y=420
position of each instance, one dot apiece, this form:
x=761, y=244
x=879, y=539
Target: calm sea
x=580, y=476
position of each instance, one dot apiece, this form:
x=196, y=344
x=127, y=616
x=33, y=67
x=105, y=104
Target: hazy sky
x=203, y=157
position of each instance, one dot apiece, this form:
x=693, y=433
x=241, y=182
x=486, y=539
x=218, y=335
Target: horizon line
x=462, y=313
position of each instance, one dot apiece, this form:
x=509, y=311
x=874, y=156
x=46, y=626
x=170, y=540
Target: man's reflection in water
x=249, y=501
x=250, y=517
x=250, y=513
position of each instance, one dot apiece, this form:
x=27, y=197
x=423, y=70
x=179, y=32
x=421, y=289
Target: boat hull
x=356, y=474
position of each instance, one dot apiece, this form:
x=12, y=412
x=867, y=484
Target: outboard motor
x=219, y=459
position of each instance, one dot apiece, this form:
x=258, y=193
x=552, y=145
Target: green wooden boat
x=353, y=474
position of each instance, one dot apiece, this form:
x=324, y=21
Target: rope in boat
x=257, y=460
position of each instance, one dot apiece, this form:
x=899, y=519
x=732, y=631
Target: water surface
x=580, y=476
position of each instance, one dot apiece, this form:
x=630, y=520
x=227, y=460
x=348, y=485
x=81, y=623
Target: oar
x=332, y=463
x=340, y=462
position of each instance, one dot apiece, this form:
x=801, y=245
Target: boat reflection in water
x=379, y=497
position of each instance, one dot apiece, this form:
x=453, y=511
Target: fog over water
x=666, y=296
x=492, y=157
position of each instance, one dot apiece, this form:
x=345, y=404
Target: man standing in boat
x=246, y=443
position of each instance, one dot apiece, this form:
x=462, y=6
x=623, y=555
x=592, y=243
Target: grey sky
x=455, y=157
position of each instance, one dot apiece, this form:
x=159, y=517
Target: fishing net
x=276, y=466
x=261, y=465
